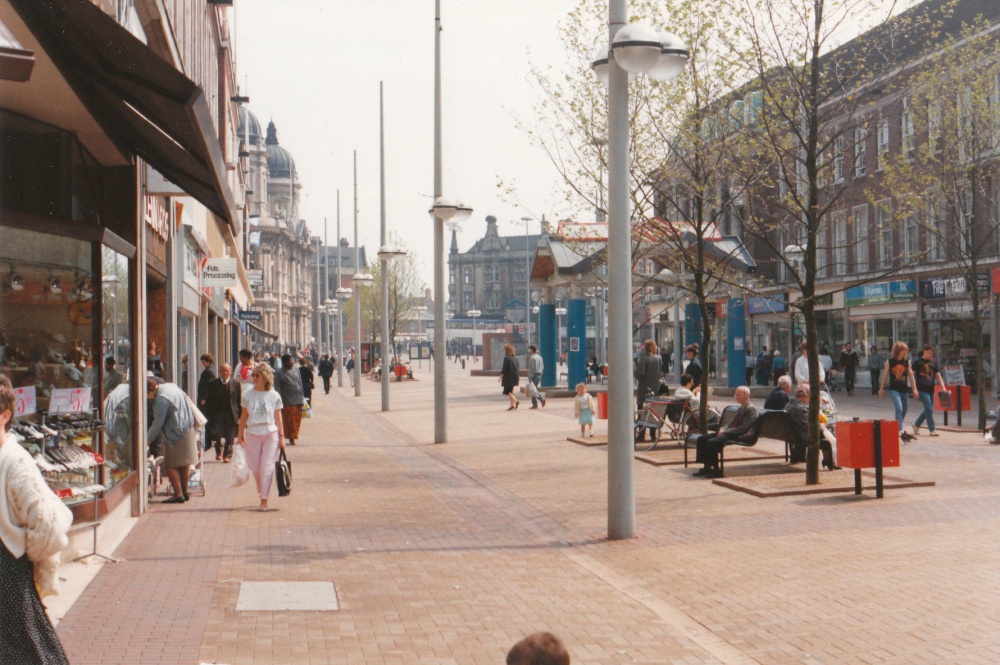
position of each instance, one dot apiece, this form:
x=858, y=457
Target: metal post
x=383, y=261
x=527, y=281
x=328, y=345
x=357, y=294
x=878, y=458
x=678, y=351
x=440, y=414
x=339, y=315
x=621, y=489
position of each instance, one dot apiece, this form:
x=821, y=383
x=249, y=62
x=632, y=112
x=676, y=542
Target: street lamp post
x=442, y=210
x=560, y=312
x=527, y=281
x=474, y=314
x=634, y=49
x=420, y=309
x=359, y=279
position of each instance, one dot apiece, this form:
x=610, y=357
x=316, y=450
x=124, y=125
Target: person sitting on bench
x=741, y=429
x=798, y=409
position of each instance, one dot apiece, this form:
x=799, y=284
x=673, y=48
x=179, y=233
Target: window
x=906, y=124
x=860, y=152
x=491, y=274
x=840, y=242
x=493, y=300
x=963, y=212
x=859, y=219
x=520, y=273
x=753, y=107
x=469, y=301
x=838, y=159
x=965, y=133
x=784, y=272
x=934, y=126
x=467, y=275
x=451, y=276
x=883, y=221
x=883, y=143
x=935, y=227
x=822, y=248
x=911, y=238
x=782, y=181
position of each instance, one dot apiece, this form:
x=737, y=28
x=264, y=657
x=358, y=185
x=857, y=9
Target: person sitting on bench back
x=742, y=429
x=798, y=409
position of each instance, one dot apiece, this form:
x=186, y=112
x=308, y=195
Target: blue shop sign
x=882, y=293
x=767, y=304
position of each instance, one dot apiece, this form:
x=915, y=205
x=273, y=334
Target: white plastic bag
x=239, y=471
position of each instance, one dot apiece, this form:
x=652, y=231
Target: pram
x=833, y=380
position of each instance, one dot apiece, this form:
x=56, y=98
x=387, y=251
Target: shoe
x=543, y=402
x=933, y=432
x=186, y=498
x=704, y=471
x=916, y=430
x=591, y=435
x=510, y=408
x=516, y=404
x=831, y=466
x=533, y=407
x=714, y=473
x=175, y=499
x=218, y=458
x=227, y=460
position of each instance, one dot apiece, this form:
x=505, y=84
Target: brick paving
x=448, y=554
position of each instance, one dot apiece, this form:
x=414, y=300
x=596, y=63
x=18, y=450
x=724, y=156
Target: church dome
x=254, y=125
x=279, y=161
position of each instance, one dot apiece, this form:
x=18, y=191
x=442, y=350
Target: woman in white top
x=260, y=431
x=33, y=526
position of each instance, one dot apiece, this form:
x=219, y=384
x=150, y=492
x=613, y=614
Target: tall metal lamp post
x=634, y=49
x=474, y=314
x=442, y=211
x=332, y=309
x=344, y=294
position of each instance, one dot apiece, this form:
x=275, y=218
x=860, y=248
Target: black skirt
x=26, y=634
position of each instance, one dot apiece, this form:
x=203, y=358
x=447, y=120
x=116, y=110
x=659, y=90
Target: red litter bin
x=857, y=449
x=961, y=400
x=602, y=406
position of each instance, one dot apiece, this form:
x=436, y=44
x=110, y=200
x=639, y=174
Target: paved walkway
x=448, y=554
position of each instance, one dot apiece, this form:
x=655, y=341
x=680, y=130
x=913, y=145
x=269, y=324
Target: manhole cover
x=287, y=596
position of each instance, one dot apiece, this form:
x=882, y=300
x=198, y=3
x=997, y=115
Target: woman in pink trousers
x=260, y=431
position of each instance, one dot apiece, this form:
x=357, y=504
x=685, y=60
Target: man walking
x=535, y=368
x=222, y=407
x=325, y=371
x=849, y=361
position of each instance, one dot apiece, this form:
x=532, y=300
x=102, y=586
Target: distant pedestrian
x=349, y=366
x=288, y=384
x=875, y=362
x=112, y=376
x=510, y=376
x=584, y=408
x=749, y=364
x=899, y=375
x=261, y=429
x=222, y=407
x=762, y=367
x=325, y=372
x=647, y=373
x=207, y=374
x=779, y=366
x=849, y=362
x=693, y=367
x=538, y=649
x=535, y=368
x=308, y=378
x=246, y=367
x=33, y=531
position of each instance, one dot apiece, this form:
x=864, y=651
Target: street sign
x=249, y=315
x=255, y=276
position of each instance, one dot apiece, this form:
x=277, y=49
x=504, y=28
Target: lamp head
x=673, y=58
x=636, y=48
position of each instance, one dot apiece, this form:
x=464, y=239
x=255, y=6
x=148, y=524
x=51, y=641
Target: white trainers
x=933, y=433
x=916, y=430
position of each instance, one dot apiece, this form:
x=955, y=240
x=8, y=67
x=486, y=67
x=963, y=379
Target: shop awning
x=16, y=62
x=145, y=106
x=253, y=326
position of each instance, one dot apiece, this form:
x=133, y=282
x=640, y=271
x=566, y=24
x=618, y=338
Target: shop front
x=770, y=323
x=951, y=324
x=881, y=314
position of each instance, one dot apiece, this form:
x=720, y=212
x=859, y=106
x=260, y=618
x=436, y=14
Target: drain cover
x=287, y=596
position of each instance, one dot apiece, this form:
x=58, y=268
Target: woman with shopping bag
x=260, y=431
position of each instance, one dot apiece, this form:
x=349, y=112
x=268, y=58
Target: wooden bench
x=771, y=424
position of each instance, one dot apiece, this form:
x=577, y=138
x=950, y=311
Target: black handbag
x=283, y=474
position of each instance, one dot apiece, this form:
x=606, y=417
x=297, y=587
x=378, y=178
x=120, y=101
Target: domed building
x=279, y=240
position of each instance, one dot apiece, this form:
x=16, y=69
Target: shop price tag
x=24, y=402
x=69, y=400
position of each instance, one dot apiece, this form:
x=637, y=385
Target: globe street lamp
x=474, y=314
x=634, y=49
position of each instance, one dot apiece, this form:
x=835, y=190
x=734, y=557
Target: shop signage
x=255, y=276
x=995, y=274
x=24, y=402
x=882, y=293
x=954, y=375
x=954, y=286
x=69, y=400
x=219, y=272
x=721, y=307
x=249, y=315
x=767, y=304
x=954, y=309
x=254, y=239
x=157, y=216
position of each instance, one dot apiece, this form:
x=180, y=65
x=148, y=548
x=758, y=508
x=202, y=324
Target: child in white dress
x=584, y=408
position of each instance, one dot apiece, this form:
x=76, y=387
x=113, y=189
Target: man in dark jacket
x=778, y=399
x=207, y=374
x=325, y=369
x=647, y=372
x=742, y=429
x=222, y=408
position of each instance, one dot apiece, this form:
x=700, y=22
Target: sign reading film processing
x=882, y=293
x=219, y=272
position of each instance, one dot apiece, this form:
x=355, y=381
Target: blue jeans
x=927, y=399
x=536, y=379
x=901, y=401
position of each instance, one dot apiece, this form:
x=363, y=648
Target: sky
x=314, y=67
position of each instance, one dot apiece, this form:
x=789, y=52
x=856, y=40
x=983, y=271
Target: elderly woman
x=173, y=420
x=288, y=384
x=510, y=376
x=33, y=527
